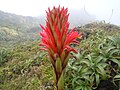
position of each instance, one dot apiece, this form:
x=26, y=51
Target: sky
x=108, y=10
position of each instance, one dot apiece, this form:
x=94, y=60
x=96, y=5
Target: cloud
x=102, y=9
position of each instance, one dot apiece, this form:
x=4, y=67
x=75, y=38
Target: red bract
x=55, y=36
x=56, y=39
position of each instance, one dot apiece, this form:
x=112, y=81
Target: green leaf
x=116, y=78
x=116, y=40
x=116, y=61
x=79, y=69
x=78, y=88
x=58, y=65
x=85, y=62
x=109, y=49
x=77, y=55
x=84, y=70
x=74, y=80
x=92, y=79
x=99, y=59
x=114, y=51
x=88, y=72
x=103, y=64
x=102, y=72
x=97, y=79
x=65, y=61
x=89, y=57
x=61, y=82
x=87, y=78
x=63, y=56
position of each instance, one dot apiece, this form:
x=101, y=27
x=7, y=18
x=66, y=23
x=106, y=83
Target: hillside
x=15, y=27
x=95, y=26
x=25, y=67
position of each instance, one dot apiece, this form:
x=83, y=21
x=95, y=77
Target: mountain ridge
x=16, y=27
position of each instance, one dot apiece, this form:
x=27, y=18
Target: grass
x=27, y=69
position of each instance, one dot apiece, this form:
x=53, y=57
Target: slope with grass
x=14, y=28
x=24, y=67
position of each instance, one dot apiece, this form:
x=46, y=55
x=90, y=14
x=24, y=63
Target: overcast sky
x=102, y=9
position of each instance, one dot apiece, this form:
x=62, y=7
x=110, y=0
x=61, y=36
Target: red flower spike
x=56, y=41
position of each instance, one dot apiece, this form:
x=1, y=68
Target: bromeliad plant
x=56, y=40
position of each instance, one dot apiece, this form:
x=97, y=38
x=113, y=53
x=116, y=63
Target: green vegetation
x=98, y=59
x=15, y=28
x=24, y=67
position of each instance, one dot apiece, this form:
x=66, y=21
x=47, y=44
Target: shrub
x=4, y=56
